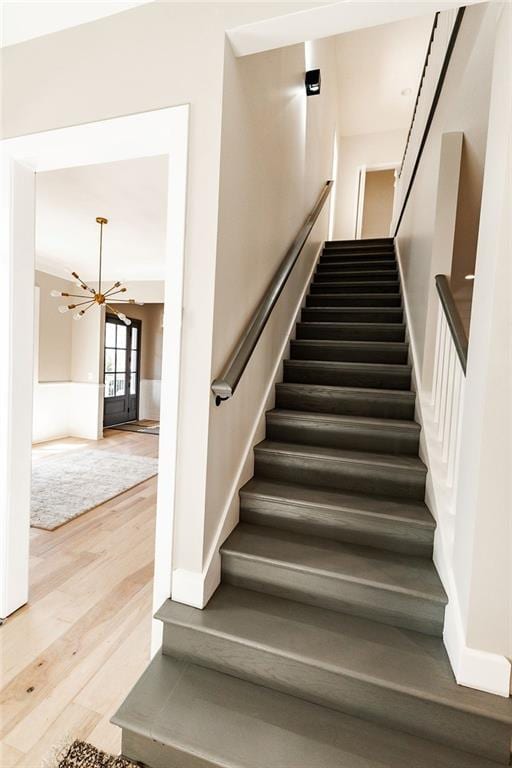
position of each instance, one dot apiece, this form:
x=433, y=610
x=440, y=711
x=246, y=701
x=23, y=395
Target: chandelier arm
x=113, y=293
x=116, y=285
x=81, y=303
x=75, y=296
x=84, y=285
x=109, y=306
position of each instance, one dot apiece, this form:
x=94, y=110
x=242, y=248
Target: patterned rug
x=72, y=483
x=82, y=755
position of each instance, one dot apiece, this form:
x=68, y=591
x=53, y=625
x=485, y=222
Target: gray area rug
x=65, y=487
x=147, y=427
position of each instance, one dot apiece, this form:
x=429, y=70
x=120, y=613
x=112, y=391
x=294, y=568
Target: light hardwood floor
x=70, y=656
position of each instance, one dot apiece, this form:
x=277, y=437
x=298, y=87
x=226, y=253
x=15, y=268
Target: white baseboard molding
x=485, y=671
x=196, y=588
x=472, y=668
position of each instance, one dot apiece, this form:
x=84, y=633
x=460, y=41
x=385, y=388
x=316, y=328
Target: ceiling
x=25, y=20
x=374, y=67
x=131, y=194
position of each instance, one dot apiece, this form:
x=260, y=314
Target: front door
x=122, y=360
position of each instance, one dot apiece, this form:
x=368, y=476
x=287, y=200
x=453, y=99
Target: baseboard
x=472, y=668
x=485, y=671
x=196, y=589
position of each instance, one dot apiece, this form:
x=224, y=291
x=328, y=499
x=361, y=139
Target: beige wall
x=379, y=191
x=151, y=316
x=55, y=330
x=276, y=156
x=369, y=149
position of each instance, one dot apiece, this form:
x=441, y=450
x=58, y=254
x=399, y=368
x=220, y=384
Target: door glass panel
x=110, y=334
x=109, y=385
x=135, y=332
x=121, y=337
x=133, y=362
x=133, y=384
x=110, y=360
x=120, y=361
x=120, y=384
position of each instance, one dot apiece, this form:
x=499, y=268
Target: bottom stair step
x=185, y=716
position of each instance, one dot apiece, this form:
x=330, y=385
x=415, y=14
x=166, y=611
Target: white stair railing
x=448, y=381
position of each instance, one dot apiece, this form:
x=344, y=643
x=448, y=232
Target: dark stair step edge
x=167, y=720
x=359, y=351
x=387, y=587
x=394, y=678
x=376, y=474
x=357, y=401
x=387, y=523
x=365, y=287
x=358, y=433
x=373, y=315
x=348, y=374
x=365, y=266
x=335, y=300
x=355, y=275
x=350, y=331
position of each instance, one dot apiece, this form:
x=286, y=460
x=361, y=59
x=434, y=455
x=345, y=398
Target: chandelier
x=95, y=297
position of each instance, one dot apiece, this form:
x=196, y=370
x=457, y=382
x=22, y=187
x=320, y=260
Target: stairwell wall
x=276, y=155
x=472, y=541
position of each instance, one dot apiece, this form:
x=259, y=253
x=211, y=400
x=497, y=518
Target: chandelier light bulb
x=55, y=293
x=122, y=316
x=127, y=321
x=63, y=308
x=78, y=315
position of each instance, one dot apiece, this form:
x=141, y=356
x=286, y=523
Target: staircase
x=322, y=646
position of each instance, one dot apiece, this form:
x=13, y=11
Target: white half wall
x=149, y=403
x=67, y=409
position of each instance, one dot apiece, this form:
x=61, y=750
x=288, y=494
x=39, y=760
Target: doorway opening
x=106, y=498
x=375, y=201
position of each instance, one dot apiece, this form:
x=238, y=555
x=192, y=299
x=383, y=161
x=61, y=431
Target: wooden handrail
x=225, y=385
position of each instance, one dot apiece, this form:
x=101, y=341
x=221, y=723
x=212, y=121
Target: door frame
x=135, y=323
x=159, y=132
x=360, y=189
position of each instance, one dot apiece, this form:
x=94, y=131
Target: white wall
x=276, y=157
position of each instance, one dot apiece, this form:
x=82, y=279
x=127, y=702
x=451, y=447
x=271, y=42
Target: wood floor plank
x=71, y=655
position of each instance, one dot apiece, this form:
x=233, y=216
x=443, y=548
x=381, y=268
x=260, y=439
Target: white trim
x=160, y=132
x=472, y=668
x=196, y=589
